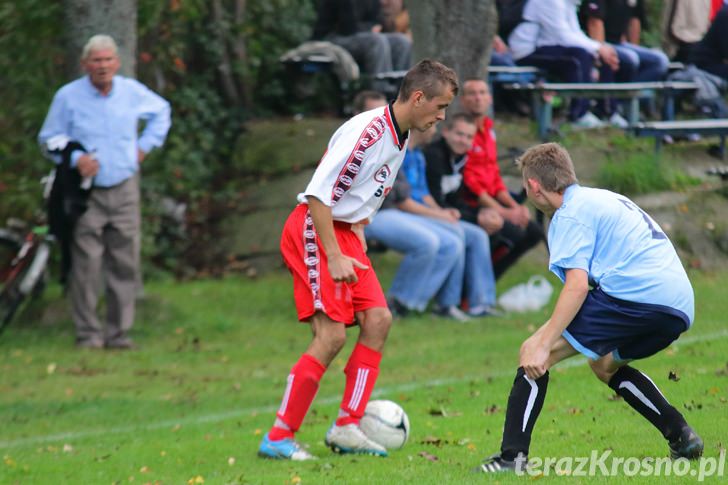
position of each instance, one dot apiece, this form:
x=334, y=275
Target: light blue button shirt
x=109, y=124
x=623, y=249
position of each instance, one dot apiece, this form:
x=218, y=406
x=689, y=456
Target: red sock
x=303, y=382
x=361, y=374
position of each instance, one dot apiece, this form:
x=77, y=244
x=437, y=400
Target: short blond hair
x=550, y=164
x=99, y=42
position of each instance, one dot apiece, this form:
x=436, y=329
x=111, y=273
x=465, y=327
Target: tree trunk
x=117, y=18
x=457, y=33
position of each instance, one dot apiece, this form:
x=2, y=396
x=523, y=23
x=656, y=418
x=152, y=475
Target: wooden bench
x=631, y=91
x=705, y=127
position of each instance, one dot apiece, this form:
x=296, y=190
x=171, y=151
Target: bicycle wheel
x=10, y=243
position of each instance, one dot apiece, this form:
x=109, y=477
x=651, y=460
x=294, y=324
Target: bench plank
x=706, y=127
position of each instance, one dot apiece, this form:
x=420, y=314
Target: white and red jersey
x=359, y=166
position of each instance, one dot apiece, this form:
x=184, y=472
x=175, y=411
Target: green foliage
x=182, y=45
x=31, y=63
x=633, y=168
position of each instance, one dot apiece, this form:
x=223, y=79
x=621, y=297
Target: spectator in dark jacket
x=356, y=26
x=711, y=53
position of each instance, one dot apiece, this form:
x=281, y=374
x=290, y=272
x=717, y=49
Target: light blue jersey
x=622, y=249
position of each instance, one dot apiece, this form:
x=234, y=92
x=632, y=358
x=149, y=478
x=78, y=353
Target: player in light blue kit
x=640, y=301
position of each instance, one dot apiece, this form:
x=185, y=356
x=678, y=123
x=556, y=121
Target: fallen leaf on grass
x=492, y=409
x=194, y=480
x=428, y=456
x=673, y=376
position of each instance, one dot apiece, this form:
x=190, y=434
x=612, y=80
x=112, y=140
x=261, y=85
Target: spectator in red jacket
x=494, y=208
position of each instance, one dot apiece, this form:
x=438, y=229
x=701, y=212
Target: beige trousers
x=105, y=255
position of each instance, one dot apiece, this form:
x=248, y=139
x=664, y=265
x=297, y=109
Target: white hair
x=98, y=42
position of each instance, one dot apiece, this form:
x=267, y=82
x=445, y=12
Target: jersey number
x=656, y=233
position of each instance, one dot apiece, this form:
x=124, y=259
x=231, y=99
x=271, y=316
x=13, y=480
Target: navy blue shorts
x=630, y=330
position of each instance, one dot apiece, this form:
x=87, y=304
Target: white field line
x=217, y=417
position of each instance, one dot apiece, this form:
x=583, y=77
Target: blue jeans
x=434, y=257
x=640, y=64
x=477, y=274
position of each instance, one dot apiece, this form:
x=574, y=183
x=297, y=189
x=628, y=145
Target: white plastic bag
x=529, y=296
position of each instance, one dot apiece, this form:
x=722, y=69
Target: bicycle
x=24, y=255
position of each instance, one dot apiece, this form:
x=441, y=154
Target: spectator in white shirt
x=550, y=38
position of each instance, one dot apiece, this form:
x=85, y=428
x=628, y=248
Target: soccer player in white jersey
x=640, y=301
x=323, y=246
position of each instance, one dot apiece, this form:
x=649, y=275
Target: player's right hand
x=341, y=268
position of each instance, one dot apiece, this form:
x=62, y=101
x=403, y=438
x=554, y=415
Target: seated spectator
x=395, y=17
x=684, y=23
x=488, y=201
x=434, y=254
x=711, y=53
x=356, y=26
x=435, y=177
x=620, y=23
x=550, y=38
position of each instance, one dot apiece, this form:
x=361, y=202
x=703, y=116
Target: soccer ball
x=386, y=423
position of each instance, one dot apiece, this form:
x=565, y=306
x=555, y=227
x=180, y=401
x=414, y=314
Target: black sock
x=644, y=396
x=524, y=404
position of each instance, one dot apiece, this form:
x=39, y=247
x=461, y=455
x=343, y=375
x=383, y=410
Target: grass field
x=191, y=405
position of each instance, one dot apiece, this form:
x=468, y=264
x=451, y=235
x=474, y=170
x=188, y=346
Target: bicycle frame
x=23, y=275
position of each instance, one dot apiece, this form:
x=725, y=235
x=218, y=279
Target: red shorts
x=313, y=288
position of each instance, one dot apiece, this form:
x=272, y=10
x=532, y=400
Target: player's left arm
x=536, y=349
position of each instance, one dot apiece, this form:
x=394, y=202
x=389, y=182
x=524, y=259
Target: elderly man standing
x=101, y=111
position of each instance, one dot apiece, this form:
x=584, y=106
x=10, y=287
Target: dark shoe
x=496, y=464
x=398, y=309
x=89, y=344
x=121, y=344
x=689, y=445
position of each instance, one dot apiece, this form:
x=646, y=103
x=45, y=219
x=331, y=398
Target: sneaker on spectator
x=351, y=439
x=285, y=449
x=588, y=121
x=693, y=137
x=451, y=312
x=617, y=121
x=485, y=311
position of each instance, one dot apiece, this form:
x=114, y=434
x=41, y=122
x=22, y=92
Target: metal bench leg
x=669, y=113
x=722, y=147
x=545, y=115
x=634, y=111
